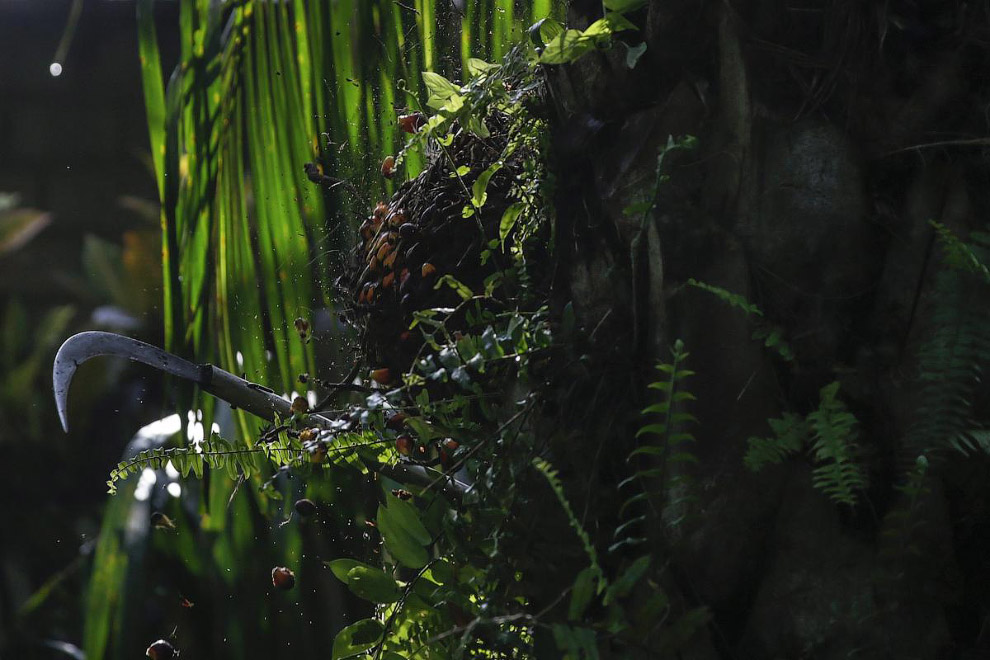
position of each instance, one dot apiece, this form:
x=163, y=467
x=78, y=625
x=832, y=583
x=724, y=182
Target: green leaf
x=629, y=578
x=406, y=516
x=582, y=592
x=459, y=287
x=544, y=31
x=357, y=637
x=400, y=543
x=633, y=53
x=440, y=89
x=622, y=6
x=476, y=67
x=509, y=218
x=566, y=47
x=372, y=584
x=341, y=567
x=479, y=194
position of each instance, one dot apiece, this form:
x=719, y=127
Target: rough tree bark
x=810, y=193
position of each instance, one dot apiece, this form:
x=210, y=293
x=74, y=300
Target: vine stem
x=399, y=605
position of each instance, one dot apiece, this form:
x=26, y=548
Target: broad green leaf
x=341, y=567
x=406, y=516
x=566, y=47
x=357, y=637
x=509, y=218
x=544, y=31
x=476, y=67
x=582, y=592
x=440, y=89
x=629, y=578
x=400, y=543
x=372, y=584
x=479, y=194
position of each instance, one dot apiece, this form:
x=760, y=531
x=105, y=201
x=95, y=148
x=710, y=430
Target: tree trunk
x=829, y=135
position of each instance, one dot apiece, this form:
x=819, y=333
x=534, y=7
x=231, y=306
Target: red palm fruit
x=161, y=650
x=397, y=421
x=283, y=578
x=300, y=406
x=388, y=167
x=305, y=507
x=381, y=210
x=388, y=280
x=390, y=260
x=382, y=376
x=367, y=231
x=412, y=122
x=428, y=269
x=404, y=445
x=451, y=445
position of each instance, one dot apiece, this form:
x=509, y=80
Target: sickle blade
x=85, y=345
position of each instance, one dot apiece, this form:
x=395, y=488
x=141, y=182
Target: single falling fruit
x=319, y=453
x=404, y=445
x=302, y=327
x=388, y=167
x=300, y=406
x=305, y=507
x=411, y=123
x=160, y=521
x=283, y=578
x=382, y=376
x=428, y=269
x=161, y=650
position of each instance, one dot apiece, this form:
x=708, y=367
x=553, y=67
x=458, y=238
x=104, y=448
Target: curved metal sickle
x=85, y=345
x=253, y=398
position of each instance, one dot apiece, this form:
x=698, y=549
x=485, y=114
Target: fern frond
x=666, y=441
x=833, y=443
x=552, y=477
x=831, y=431
x=215, y=453
x=733, y=299
x=772, y=336
x=789, y=436
x=952, y=360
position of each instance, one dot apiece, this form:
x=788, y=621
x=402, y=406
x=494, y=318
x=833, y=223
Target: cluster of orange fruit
x=383, y=236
